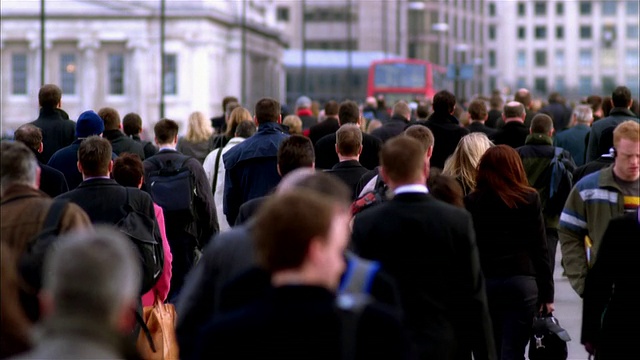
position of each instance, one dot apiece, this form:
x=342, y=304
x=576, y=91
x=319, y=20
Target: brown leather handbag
x=157, y=339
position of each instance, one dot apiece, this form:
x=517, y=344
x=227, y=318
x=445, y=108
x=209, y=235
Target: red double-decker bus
x=404, y=79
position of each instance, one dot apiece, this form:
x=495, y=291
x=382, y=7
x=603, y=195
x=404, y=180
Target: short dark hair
x=226, y=100
x=444, y=102
x=422, y=111
x=245, y=129
x=295, y=152
x=128, y=170
x=349, y=139
x=165, y=131
x=495, y=102
x=110, y=117
x=94, y=156
x=331, y=108
x=478, y=110
x=29, y=135
x=349, y=112
x=541, y=124
x=446, y=188
x=285, y=226
x=132, y=124
x=267, y=110
x=49, y=96
x=421, y=133
x=410, y=150
x=621, y=96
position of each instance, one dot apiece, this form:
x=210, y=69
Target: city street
x=568, y=311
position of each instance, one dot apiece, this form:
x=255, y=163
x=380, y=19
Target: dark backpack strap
x=214, y=183
x=54, y=215
x=350, y=308
x=146, y=330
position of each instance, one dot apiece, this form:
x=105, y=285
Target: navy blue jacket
x=57, y=132
x=65, y=160
x=573, y=140
x=251, y=168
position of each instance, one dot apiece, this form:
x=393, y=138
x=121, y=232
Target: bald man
x=514, y=132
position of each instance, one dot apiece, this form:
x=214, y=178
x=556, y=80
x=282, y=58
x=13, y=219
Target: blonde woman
x=235, y=117
x=294, y=123
x=463, y=163
x=199, y=139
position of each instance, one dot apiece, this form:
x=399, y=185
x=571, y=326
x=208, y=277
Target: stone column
x=88, y=71
x=143, y=95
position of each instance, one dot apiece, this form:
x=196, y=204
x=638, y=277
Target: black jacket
x=513, y=133
x=121, y=143
x=428, y=247
x=326, y=155
x=394, y=127
x=349, y=172
x=446, y=133
x=52, y=181
x=147, y=146
x=57, y=132
x=329, y=126
x=480, y=127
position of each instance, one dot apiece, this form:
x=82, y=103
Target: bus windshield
x=400, y=75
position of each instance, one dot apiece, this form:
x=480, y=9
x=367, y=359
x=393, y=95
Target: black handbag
x=548, y=340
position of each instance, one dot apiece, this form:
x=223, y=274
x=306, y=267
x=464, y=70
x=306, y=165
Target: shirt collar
x=411, y=188
x=166, y=147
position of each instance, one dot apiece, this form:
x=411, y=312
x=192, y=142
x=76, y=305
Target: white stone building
x=577, y=48
x=107, y=53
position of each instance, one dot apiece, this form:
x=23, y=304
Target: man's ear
x=278, y=168
x=79, y=166
x=41, y=148
x=383, y=174
x=110, y=166
x=280, y=119
x=38, y=176
x=360, y=151
x=429, y=152
x=336, y=148
x=46, y=304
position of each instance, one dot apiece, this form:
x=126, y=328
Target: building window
x=560, y=85
x=632, y=31
x=585, y=7
x=68, y=72
x=492, y=58
x=521, y=32
x=584, y=86
x=609, y=7
x=170, y=74
x=608, y=84
x=585, y=32
x=19, y=74
x=492, y=9
x=541, y=58
x=330, y=14
x=282, y=13
x=522, y=10
x=521, y=60
x=559, y=58
x=540, y=84
x=116, y=74
x=559, y=32
x=559, y=8
x=633, y=83
x=586, y=57
x=492, y=32
x=632, y=7
x=493, y=84
x=540, y=8
x=521, y=83
x=541, y=32
x=332, y=44
x=631, y=58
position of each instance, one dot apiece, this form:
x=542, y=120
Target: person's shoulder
x=371, y=139
x=330, y=139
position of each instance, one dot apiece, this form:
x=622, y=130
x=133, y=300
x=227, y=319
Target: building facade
x=108, y=53
x=577, y=48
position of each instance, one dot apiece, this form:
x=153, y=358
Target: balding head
x=523, y=96
x=542, y=124
x=513, y=111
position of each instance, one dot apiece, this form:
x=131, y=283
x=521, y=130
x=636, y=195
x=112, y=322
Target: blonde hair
x=629, y=130
x=199, y=128
x=294, y=123
x=238, y=115
x=463, y=163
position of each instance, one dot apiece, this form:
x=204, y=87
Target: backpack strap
x=350, y=308
x=555, y=177
x=214, y=183
x=359, y=275
x=54, y=215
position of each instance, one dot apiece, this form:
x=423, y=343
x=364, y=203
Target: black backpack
x=370, y=198
x=145, y=235
x=548, y=340
x=173, y=188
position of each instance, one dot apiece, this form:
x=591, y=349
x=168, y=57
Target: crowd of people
x=420, y=231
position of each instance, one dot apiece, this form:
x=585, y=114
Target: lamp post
x=42, y=43
x=459, y=50
x=162, y=60
x=441, y=29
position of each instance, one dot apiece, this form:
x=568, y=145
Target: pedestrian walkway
x=568, y=311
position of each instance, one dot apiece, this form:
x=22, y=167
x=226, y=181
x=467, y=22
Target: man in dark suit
x=429, y=248
x=112, y=131
x=513, y=133
x=400, y=117
x=329, y=125
x=52, y=181
x=57, y=131
x=445, y=127
x=326, y=156
x=523, y=96
x=478, y=114
x=348, y=148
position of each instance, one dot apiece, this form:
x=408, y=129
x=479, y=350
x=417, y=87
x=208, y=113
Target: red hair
x=500, y=171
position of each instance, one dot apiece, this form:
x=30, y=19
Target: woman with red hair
x=512, y=244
